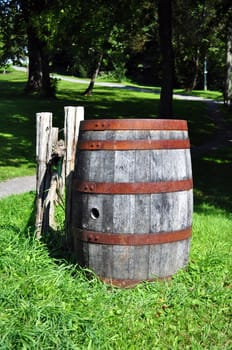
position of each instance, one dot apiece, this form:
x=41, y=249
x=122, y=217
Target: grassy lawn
x=17, y=119
x=214, y=95
x=49, y=303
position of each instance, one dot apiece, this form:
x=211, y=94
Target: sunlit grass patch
x=208, y=94
x=48, y=303
x=18, y=113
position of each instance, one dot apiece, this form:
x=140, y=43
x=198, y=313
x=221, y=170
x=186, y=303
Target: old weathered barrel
x=132, y=198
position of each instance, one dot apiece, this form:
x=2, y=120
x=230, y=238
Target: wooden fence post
x=73, y=116
x=51, y=186
x=43, y=154
x=49, y=179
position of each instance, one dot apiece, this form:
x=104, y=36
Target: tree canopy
x=153, y=42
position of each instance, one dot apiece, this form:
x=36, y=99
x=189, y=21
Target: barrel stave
x=132, y=213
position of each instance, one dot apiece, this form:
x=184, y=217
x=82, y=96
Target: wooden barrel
x=132, y=199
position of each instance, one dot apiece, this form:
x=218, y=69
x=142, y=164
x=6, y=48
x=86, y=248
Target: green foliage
x=116, y=53
x=194, y=34
x=208, y=94
x=74, y=34
x=12, y=32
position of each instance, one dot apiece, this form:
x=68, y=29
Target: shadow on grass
x=55, y=240
x=212, y=176
x=18, y=128
x=18, y=115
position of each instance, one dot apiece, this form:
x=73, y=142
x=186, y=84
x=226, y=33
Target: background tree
x=31, y=24
x=13, y=35
x=82, y=43
x=228, y=80
x=40, y=24
x=224, y=14
x=105, y=34
x=193, y=34
x=167, y=63
x=122, y=39
x=142, y=44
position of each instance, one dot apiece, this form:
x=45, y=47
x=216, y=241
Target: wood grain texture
x=44, y=139
x=73, y=116
x=151, y=213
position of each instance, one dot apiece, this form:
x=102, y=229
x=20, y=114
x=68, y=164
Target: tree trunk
x=89, y=90
x=46, y=90
x=228, y=80
x=167, y=58
x=34, y=82
x=196, y=71
x=38, y=68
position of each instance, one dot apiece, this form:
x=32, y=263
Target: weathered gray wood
x=73, y=117
x=50, y=197
x=134, y=135
x=43, y=154
x=134, y=213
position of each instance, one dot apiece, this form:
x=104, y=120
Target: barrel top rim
x=133, y=124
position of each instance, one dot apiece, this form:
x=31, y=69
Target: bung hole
x=95, y=213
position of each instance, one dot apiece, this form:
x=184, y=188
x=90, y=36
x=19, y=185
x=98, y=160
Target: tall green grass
x=49, y=303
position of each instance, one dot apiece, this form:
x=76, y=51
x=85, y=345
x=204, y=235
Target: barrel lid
x=133, y=124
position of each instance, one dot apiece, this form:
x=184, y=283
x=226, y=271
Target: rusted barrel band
x=133, y=124
x=126, y=283
x=132, y=239
x=132, y=187
x=133, y=144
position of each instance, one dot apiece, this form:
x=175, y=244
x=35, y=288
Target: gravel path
x=17, y=185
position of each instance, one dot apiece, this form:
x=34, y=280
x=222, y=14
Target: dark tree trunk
x=228, y=79
x=34, y=82
x=167, y=58
x=38, y=69
x=89, y=90
x=196, y=71
x=47, y=88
